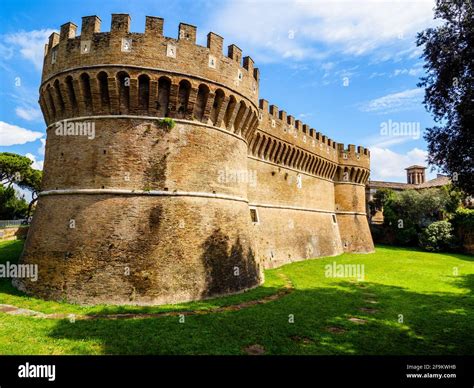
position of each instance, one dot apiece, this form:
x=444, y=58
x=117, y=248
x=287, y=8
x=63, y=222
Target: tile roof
x=440, y=180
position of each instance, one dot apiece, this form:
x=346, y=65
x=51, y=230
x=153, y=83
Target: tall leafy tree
x=13, y=168
x=408, y=212
x=448, y=51
x=31, y=180
x=11, y=206
x=17, y=169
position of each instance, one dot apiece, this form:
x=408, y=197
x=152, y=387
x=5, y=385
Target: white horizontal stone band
x=285, y=207
x=351, y=213
x=349, y=183
x=179, y=121
x=162, y=193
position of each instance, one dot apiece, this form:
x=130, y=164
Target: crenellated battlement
x=353, y=155
x=283, y=140
x=161, y=153
x=354, y=164
x=279, y=124
x=122, y=72
x=150, y=50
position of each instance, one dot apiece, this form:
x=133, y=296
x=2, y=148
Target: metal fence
x=12, y=223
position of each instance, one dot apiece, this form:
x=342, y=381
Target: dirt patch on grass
x=285, y=290
x=254, y=350
x=302, y=340
x=371, y=301
x=336, y=330
x=368, y=310
x=358, y=321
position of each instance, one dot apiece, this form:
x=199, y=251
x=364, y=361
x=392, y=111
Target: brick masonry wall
x=354, y=228
x=139, y=250
x=7, y=234
x=169, y=244
x=145, y=213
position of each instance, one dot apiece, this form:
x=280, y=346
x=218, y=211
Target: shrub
x=408, y=212
x=377, y=232
x=437, y=237
x=166, y=123
x=464, y=218
x=381, y=234
x=463, y=223
x=406, y=235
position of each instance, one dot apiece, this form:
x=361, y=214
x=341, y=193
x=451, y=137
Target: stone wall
x=295, y=215
x=167, y=180
x=351, y=217
x=13, y=233
x=150, y=223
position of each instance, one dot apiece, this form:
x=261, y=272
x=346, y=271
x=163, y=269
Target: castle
x=166, y=179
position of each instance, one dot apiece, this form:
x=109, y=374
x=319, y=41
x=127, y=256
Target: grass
x=424, y=305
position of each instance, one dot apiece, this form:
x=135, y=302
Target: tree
x=407, y=212
x=437, y=237
x=455, y=198
x=17, y=169
x=448, y=51
x=11, y=207
x=380, y=198
x=31, y=180
x=13, y=167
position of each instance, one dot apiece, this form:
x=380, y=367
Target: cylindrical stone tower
x=136, y=207
x=349, y=190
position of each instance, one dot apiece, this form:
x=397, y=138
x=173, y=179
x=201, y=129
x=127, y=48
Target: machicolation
x=136, y=212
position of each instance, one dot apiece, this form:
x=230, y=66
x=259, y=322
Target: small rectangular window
x=254, y=215
x=334, y=219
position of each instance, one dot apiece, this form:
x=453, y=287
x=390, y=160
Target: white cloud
x=391, y=133
x=414, y=71
x=25, y=193
x=383, y=142
x=6, y=52
x=292, y=29
x=41, y=150
x=387, y=165
x=12, y=134
x=23, y=94
x=395, y=102
x=37, y=164
x=328, y=66
x=29, y=113
x=377, y=74
x=30, y=44
x=25, y=98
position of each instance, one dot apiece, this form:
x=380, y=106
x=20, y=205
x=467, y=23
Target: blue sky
x=347, y=68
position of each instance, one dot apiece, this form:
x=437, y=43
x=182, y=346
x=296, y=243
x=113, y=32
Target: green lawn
x=436, y=304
